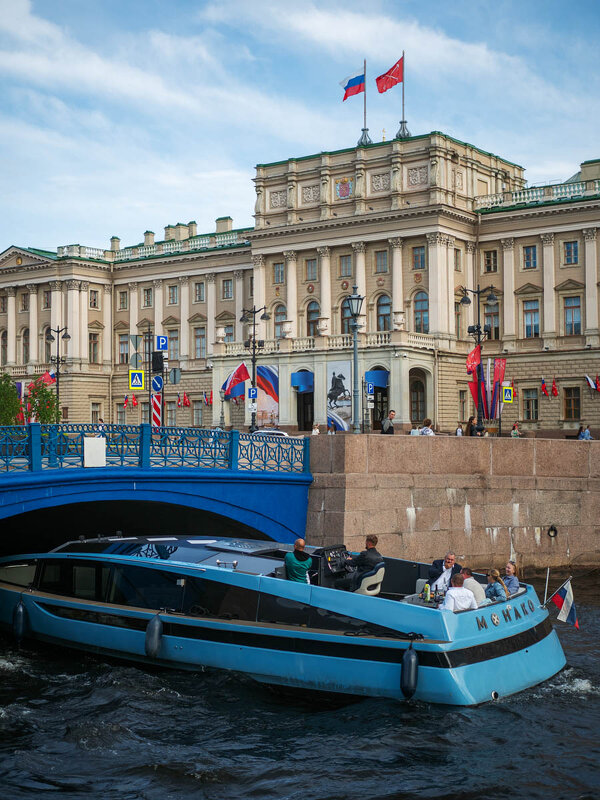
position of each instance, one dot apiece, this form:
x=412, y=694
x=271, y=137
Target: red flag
x=554, y=388
x=186, y=400
x=134, y=400
x=473, y=387
x=473, y=359
x=125, y=401
x=391, y=77
x=597, y=384
x=178, y=401
x=515, y=393
x=210, y=401
x=544, y=390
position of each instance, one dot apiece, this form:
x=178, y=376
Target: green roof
x=46, y=253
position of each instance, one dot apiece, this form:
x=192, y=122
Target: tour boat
x=192, y=602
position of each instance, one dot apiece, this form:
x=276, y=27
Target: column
x=591, y=287
x=508, y=287
x=292, y=290
x=435, y=263
x=397, y=284
x=83, y=320
x=258, y=262
x=158, y=307
x=401, y=385
x=549, y=322
x=324, y=254
x=134, y=304
x=33, y=323
x=11, y=326
x=211, y=311
x=360, y=273
x=73, y=349
x=56, y=305
x=451, y=327
x=239, y=304
x=107, y=337
x=184, y=325
x=470, y=281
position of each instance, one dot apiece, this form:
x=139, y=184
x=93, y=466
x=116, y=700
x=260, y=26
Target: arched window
x=346, y=316
x=47, y=346
x=25, y=345
x=417, y=401
x=312, y=319
x=421, y=313
x=384, y=313
x=280, y=317
x=3, y=347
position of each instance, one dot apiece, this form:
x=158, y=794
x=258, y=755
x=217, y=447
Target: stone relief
x=458, y=179
x=311, y=194
x=278, y=199
x=380, y=182
x=417, y=176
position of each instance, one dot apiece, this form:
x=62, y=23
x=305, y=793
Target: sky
x=119, y=116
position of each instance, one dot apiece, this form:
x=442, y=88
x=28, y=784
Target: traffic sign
x=162, y=342
x=507, y=394
x=157, y=383
x=253, y=407
x=370, y=388
x=135, y=362
x=174, y=375
x=136, y=340
x=136, y=379
x=252, y=393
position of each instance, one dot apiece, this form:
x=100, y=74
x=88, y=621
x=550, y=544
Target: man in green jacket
x=298, y=563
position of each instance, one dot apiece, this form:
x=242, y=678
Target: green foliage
x=42, y=400
x=9, y=401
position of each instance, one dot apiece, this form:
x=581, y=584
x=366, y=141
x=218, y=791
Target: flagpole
x=558, y=590
x=403, y=132
x=546, y=589
x=365, y=138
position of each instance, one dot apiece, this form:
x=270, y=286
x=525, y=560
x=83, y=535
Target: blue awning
x=379, y=377
x=303, y=381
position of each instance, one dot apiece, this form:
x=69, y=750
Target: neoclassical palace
x=410, y=222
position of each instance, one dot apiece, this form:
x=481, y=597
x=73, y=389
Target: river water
x=74, y=726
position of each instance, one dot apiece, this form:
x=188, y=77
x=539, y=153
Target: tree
x=42, y=403
x=9, y=401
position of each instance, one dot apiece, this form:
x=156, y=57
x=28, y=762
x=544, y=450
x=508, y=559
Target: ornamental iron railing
x=37, y=447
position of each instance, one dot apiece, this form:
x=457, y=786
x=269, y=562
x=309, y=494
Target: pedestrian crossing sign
x=136, y=379
x=507, y=394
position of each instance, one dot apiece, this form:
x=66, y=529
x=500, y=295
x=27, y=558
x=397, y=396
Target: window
x=572, y=403
x=123, y=348
x=197, y=413
x=311, y=269
x=384, y=313
x=227, y=289
x=279, y=272
x=25, y=343
x=572, y=316
x=24, y=302
x=121, y=414
x=145, y=408
x=173, y=344
x=530, y=257
x=346, y=316
x=491, y=317
x=381, y=261
x=229, y=333
x=173, y=295
x=421, y=313
x=94, y=348
x=46, y=299
x=571, y=253
x=531, y=313
x=457, y=320
x=47, y=346
x=199, y=342
x=280, y=317
x=96, y=413
x=147, y=298
x=3, y=304
x=20, y=573
x=123, y=301
x=312, y=318
x=199, y=292
x=457, y=266
x=417, y=401
x=462, y=404
x=86, y=580
x=171, y=409
x=490, y=260
x=4, y=348
x=530, y=404
x=418, y=257
x=345, y=266
x=94, y=298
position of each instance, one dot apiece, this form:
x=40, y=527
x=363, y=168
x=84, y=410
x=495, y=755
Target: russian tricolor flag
x=563, y=600
x=238, y=376
x=353, y=84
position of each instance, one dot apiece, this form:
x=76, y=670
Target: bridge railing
x=37, y=447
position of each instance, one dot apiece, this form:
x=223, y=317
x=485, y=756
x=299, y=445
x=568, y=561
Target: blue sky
x=118, y=116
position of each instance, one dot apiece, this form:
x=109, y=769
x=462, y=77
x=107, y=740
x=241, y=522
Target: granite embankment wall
x=488, y=500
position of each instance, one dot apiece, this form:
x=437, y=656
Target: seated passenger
x=363, y=562
x=511, y=580
x=298, y=563
x=496, y=588
x=473, y=585
x=442, y=570
x=457, y=597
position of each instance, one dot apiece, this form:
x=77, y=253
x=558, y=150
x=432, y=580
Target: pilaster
x=470, y=281
x=33, y=323
x=437, y=283
x=399, y=320
x=73, y=344
x=592, y=336
x=292, y=290
x=158, y=307
x=184, y=325
x=324, y=254
x=239, y=303
x=11, y=326
x=360, y=273
x=107, y=337
x=508, y=287
x=211, y=310
x=134, y=304
x=549, y=323
x=83, y=319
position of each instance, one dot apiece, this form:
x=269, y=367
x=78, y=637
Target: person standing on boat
x=472, y=585
x=442, y=570
x=457, y=597
x=298, y=563
x=363, y=562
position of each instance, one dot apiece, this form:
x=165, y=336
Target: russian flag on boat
x=563, y=600
x=353, y=84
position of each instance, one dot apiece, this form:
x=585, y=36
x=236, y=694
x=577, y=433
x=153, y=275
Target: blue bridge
x=152, y=480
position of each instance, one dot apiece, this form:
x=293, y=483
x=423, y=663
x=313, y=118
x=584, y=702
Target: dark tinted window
x=20, y=573
x=83, y=579
x=206, y=598
x=279, y=609
x=145, y=587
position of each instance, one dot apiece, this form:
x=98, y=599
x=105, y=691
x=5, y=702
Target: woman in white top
x=426, y=429
x=315, y=429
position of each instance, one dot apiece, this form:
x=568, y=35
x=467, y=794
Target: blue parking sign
x=370, y=388
x=162, y=342
x=252, y=393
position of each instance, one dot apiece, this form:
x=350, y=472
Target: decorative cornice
x=184, y=280
x=547, y=238
x=132, y=286
x=324, y=252
x=396, y=242
x=589, y=234
x=32, y=288
x=258, y=261
x=107, y=287
x=359, y=247
x=238, y=274
x=56, y=286
x=471, y=247
x=85, y=285
x=450, y=241
x=529, y=288
x=290, y=255
x=11, y=291
x=72, y=284
x=157, y=283
x=211, y=277
x=435, y=238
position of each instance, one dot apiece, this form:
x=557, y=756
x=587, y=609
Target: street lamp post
x=57, y=359
x=222, y=417
x=355, y=302
x=249, y=315
x=479, y=334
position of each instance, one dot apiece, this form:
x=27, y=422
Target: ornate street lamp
x=57, y=359
x=355, y=302
x=479, y=334
x=222, y=417
x=249, y=315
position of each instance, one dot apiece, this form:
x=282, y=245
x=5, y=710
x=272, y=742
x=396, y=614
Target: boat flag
x=544, y=389
x=473, y=359
x=126, y=401
x=563, y=600
x=178, y=401
x=239, y=375
x=353, y=84
x=134, y=401
x=393, y=76
x=554, y=388
x=186, y=401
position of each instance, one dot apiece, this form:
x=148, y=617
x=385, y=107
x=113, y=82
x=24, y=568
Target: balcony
x=537, y=195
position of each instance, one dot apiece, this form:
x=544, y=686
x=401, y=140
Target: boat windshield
x=190, y=551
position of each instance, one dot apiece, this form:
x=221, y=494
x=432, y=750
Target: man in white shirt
x=472, y=585
x=457, y=597
x=442, y=570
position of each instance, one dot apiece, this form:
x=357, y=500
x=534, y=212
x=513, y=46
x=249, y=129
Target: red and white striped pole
x=156, y=409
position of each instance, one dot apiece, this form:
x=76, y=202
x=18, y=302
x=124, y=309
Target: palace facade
x=410, y=222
